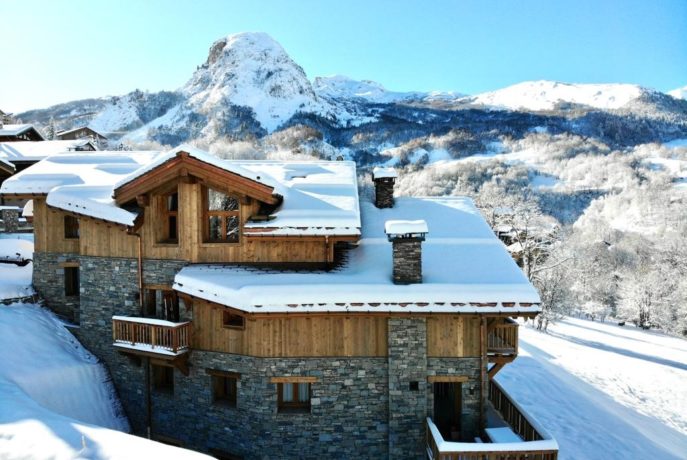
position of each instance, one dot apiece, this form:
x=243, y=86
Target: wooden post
x=483, y=371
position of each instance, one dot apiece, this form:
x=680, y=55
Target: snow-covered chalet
x=259, y=309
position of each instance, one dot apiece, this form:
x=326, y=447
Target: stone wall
x=10, y=217
x=407, y=260
x=407, y=348
x=48, y=281
x=384, y=192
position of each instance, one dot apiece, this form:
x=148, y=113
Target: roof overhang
x=183, y=165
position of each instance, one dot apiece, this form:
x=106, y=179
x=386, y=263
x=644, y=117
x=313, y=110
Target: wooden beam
x=294, y=379
x=447, y=378
x=494, y=369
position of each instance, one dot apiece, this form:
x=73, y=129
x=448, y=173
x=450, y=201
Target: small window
x=224, y=390
x=232, y=320
x=170, y=218
x=163, y=379
x=293, y=397
x=221, y=217
x=71, y=227
x=71, y=281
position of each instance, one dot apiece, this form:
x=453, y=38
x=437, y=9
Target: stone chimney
x=384, y=179
x=406, y=237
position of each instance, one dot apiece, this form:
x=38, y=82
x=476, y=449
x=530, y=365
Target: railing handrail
x=132, y=332
x=543, y=433
x=451, y=447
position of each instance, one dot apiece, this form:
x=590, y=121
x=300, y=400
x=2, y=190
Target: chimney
x=384, y=179
x=406, y=237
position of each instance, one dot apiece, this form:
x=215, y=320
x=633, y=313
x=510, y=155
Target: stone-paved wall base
x=48, y=281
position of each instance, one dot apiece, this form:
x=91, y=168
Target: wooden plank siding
x=453, y=336
x=290, y=337
x=49, y=229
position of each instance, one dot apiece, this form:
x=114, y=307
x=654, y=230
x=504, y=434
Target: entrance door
x=447, y=409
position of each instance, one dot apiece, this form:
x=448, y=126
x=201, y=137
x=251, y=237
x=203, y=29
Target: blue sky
x=59, y=51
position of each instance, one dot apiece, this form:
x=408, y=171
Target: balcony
x=153, y=338
x=511, y=435
x=502, y=344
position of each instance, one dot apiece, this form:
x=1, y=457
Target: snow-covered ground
x=56, y=399
x=602, y=390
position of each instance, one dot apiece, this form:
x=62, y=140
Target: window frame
x=223, y=215
x=71, y=227
x=294, y=406
x=166, y=214
x=72, y=281
x=218, y=379
x=165, y=384
x=227, y=315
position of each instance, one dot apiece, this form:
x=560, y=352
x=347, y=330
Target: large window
x=170, y=218
x=221, y=217
x=71, y=227
x=71, y=281
x=293, y=397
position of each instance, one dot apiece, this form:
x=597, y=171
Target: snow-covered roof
x=198, y=154
x=80, y=182
x=320, y=198
x=405, y=227
x=465, y=269
x=14, y=129
x=382, y=173
x=36, y=151
x=79, y=128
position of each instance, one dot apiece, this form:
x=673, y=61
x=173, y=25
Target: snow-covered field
x=56, y=399
x=602, y=390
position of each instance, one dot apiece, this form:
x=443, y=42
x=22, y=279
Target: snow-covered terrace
x=465, y=269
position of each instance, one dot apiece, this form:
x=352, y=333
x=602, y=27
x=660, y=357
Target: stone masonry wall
x=469, y=367
x=48, y=280
x=384, y=192
x=10, y=217
x=407, y=348
x=407, y=260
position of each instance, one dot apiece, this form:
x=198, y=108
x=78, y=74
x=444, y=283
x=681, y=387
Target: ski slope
x=602, y=390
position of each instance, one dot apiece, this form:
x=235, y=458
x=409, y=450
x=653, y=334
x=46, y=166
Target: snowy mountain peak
x=545, y=95
x=252, y=70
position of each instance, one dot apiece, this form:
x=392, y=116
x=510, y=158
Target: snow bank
x=603, y=391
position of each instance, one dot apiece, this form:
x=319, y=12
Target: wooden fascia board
x=322, y=238
x=172, y=169
x=24, y=196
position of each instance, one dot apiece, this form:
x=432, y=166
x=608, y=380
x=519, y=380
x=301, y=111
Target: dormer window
x=222, y=220
x=170, y=218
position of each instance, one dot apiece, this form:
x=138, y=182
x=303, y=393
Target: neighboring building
x=83, y=132
x=16, y=132
x=256, y=309
x=24, y=154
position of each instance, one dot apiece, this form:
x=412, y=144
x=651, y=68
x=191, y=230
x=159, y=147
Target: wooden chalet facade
x=248, y=309
x=82, y=132
x=19, y=132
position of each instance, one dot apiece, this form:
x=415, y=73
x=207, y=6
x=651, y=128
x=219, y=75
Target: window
x=71, y=227
x=224, y=389
x=163, y=378
x=170, y=217
x=71, y=281
x=293, y=397
x=162, y=303
x=221, y=217
x=232, y=320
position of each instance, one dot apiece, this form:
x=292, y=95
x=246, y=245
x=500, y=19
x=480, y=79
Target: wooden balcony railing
x=536, y=443
x=502, y=339
x=150, y=335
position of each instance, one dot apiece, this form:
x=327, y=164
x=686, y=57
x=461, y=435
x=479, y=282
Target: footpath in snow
x=602, y=390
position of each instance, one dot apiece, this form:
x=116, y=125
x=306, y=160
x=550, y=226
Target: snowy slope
x=603, y=391
x=339, y=86
x=544, y=95
x=119, y=114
